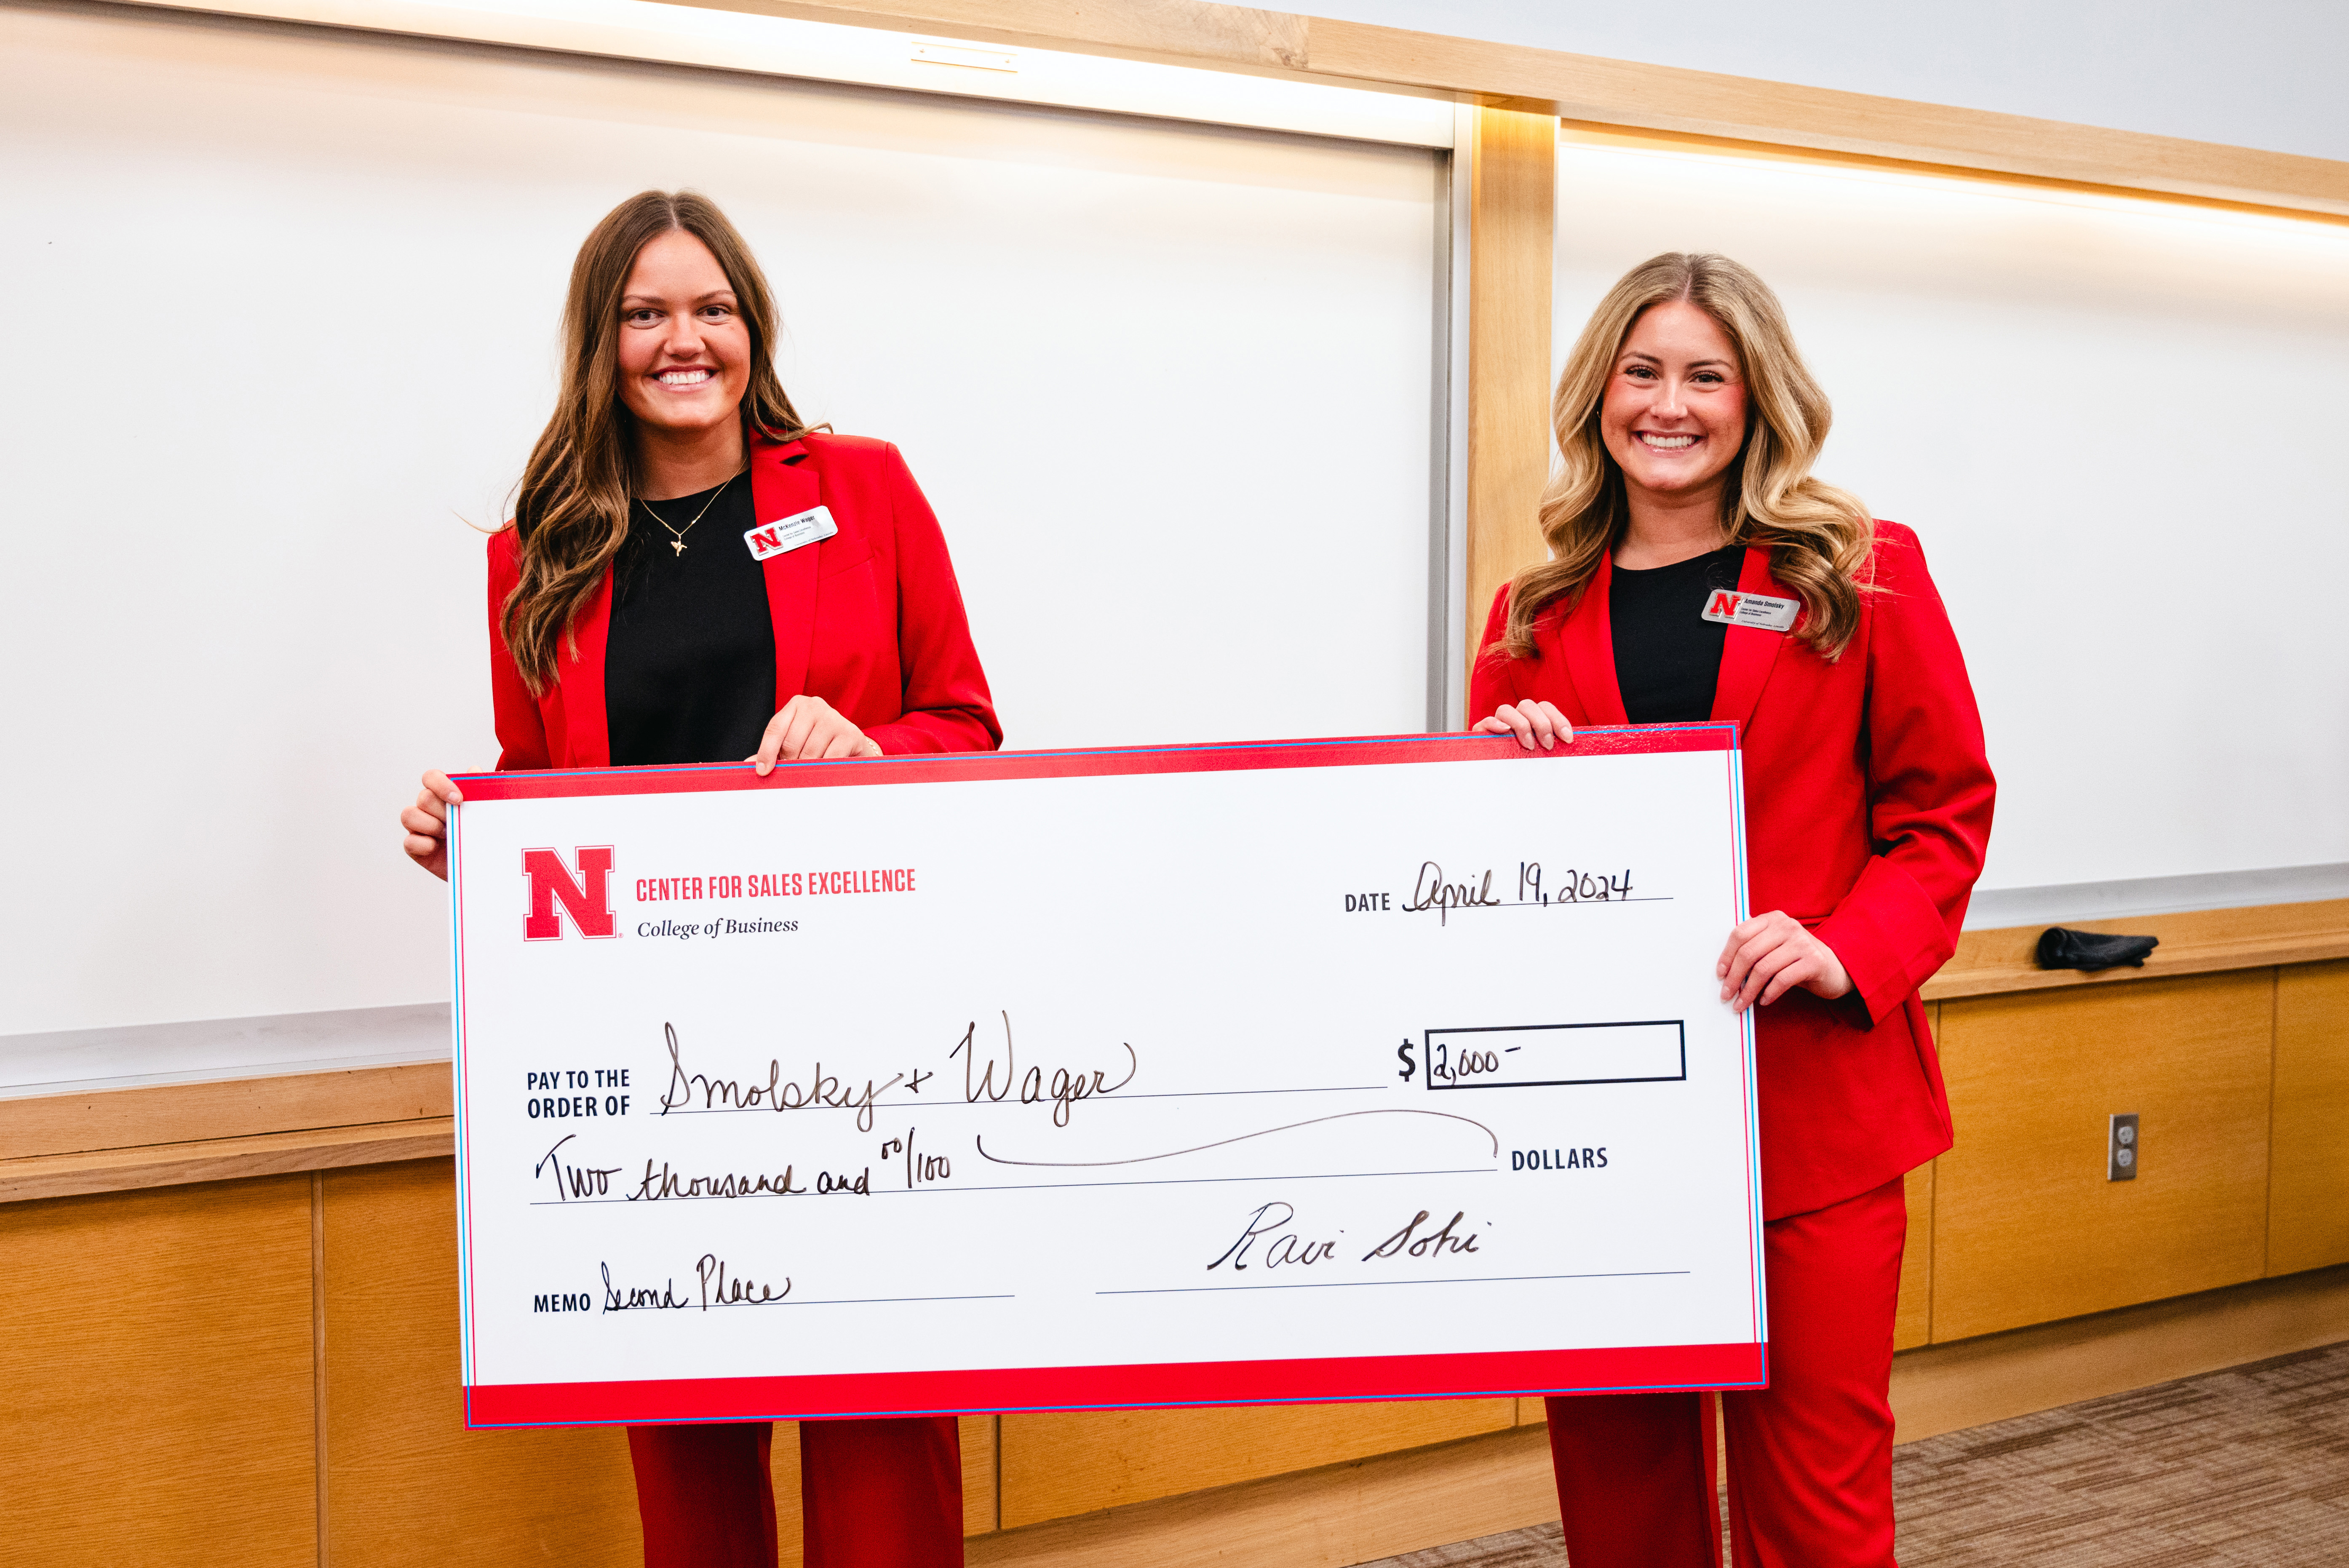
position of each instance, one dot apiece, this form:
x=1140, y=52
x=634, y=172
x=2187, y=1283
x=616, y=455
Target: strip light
x=833, y=52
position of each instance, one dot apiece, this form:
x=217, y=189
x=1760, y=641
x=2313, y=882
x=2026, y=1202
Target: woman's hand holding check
x=1766, y=956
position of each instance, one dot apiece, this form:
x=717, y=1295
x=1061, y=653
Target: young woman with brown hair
x=667, y=594
x=1698, y=572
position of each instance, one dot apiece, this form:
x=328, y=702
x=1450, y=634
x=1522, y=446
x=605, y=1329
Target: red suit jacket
x=870, y=619
x=1868, y=808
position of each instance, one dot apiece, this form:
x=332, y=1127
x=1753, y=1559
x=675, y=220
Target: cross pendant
x=677, y=545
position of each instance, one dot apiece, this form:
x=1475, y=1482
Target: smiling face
x=685, y=350
x=1674, y=416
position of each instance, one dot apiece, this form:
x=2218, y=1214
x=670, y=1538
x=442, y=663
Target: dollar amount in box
x=1531, y=1055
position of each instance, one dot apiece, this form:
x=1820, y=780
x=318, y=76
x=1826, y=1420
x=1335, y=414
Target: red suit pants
x=872, y=1494
x=1810, y=1456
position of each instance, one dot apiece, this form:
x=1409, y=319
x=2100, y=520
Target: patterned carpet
x=2247, y=1468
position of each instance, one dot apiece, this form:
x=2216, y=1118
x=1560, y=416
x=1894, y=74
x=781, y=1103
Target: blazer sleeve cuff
x=933, y=731
x=1889, y=937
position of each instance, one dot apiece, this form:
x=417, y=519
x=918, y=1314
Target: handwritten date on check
x=1325, y=1071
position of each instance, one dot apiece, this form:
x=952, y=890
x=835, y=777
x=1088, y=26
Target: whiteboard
x=2116, y=427
x=1170, y=388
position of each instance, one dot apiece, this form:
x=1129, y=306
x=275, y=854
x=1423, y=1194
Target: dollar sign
x=1402, y=1055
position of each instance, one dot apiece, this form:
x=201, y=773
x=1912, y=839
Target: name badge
x=1758, y=610
x=789, y=533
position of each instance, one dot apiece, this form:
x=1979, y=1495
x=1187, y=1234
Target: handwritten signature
x=1270, y=1223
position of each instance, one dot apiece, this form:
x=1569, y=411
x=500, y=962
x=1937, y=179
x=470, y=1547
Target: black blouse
x=689, y=668
x=1667, y=655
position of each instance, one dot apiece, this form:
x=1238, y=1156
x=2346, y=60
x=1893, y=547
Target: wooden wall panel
x=2308, y=1196
x=1058, y=1465
x=1340, y=1514
x=407, y=1485
x=157, y=1374
x=2025, y=1227
x=784, y=1466
x=979, y=1473
x=1912, y=1320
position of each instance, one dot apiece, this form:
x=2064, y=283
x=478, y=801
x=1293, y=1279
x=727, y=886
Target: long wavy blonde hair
x=571, y=515
x=1819, y=536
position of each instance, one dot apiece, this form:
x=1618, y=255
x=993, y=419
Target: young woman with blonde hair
x=1698, y=572
x=635, y=619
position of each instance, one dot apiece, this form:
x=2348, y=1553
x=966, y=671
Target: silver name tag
x=790, y=532
x=1756, y=609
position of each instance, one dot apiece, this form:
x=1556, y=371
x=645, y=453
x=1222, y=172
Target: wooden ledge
x=1989, y=963
x=93, y=1120
x=224, y=1159
x=57, y=1146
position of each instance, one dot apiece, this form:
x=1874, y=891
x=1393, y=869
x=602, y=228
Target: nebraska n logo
x=587, y=896
x=788, y=533
x=1723, y=605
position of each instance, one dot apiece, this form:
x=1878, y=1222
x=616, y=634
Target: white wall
x=2116, y=426
x=2254, y=73
x=287, y=306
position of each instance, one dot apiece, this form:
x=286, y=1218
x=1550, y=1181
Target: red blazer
x=1868, y=808
x=870, y=619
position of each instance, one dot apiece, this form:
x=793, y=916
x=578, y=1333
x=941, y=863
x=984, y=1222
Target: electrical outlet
x=2124, y=1150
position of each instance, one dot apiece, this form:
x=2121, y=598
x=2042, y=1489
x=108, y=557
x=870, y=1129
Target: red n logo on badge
x=587, y=896
x=1724, y=603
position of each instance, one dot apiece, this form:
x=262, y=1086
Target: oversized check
x=1209, y=1075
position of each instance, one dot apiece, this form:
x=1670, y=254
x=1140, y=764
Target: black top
x=690, y=670
x=1667, y=655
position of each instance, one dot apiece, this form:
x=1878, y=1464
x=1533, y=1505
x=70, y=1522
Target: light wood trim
x=1988, y=963
x=1948, y=1387
x=1513, y=193
x=1618, y=93
x=233, y=1107
x=1743, y=109
x=225, y=1158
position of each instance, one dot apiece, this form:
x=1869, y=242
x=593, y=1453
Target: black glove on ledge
x=2061, y=947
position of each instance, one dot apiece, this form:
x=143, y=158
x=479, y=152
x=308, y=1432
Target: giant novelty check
x=1189, y=1076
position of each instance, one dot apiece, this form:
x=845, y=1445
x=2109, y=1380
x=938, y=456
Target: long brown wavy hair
x=571, y=513
x=1819, y=536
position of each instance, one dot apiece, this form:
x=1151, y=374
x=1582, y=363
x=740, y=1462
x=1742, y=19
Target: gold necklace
x=676, y=535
